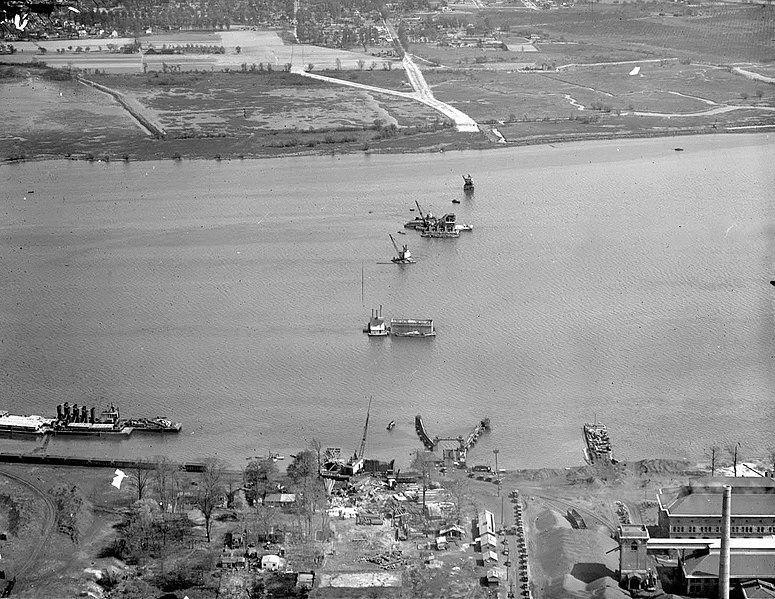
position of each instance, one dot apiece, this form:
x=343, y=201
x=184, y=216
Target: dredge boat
x=80, y=420
x=598, y=444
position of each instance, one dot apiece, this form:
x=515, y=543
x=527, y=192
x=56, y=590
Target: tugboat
x=376, y=326
x=468, y=184
x=391, y=425
x=404, y=255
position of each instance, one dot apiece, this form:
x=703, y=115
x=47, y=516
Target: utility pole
x=497, y=472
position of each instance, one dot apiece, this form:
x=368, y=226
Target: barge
x=412, y=327
x=24, y=425
x=598, y=444
x=82, y=420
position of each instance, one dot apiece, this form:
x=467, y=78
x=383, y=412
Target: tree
x=210, y=491
x=259, y=479
x=238, y=49
x=140, y=475
x=714, y=450
x=733, y=451
x=303, y=472
x=165, y=478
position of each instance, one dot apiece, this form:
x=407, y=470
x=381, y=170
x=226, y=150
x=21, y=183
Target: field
x=576, y=85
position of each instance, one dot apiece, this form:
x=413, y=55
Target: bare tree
x=303, y=472
x=165, y=474
x=714, y=454
x=771, y=458
x=210, y=491
x=140, y=475
x=733, y=451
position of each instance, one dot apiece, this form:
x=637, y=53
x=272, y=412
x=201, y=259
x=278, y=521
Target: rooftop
x=709, y=504
x=751, y=564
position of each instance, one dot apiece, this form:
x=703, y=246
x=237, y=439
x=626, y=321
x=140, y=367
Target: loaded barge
x=81, y=420
x=598, y=444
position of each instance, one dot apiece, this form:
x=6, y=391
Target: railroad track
x=588, y=515
x=49, y=519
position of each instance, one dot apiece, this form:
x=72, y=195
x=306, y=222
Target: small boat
x=275, y=456
x=401, y=232
x=464, y=227
x=391, y=425
x=455, y=201
x=678, y=149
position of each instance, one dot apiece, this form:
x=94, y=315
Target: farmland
x=590, y=71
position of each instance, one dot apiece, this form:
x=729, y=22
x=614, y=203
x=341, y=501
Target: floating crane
x=404, y=255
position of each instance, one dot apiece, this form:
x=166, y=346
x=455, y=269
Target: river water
x=617, y=280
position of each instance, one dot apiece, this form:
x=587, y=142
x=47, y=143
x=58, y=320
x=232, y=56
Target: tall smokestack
x=726, y=526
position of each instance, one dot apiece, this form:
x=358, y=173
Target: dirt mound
x=661, y=466
x=549, y=520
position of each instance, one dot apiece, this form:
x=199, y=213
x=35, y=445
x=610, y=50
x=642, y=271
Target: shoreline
x=424, y=149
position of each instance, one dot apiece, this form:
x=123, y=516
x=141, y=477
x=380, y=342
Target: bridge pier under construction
x=456, y=453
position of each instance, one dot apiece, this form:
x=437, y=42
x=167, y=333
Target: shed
x=305, y=580
x=271, y=563
x=489, y=556
x=280, y=499
x=441, y=543
x=454, y=531
x=487, y=540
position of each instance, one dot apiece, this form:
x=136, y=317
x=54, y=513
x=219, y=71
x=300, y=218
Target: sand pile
x=575, y=562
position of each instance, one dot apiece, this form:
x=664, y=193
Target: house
x=487, y=541
x=280, y=499
x=485, y=522
x=372, y=518
x=489, y=557
x=232, y=559
x=272, y=563
x=496, y=575
x=441, y=543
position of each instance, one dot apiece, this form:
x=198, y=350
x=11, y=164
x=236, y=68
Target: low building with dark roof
x=695, y=510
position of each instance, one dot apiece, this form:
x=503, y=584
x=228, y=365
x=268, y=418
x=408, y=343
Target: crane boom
x=362, y=448
x=422, y=216
x=395, y=245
